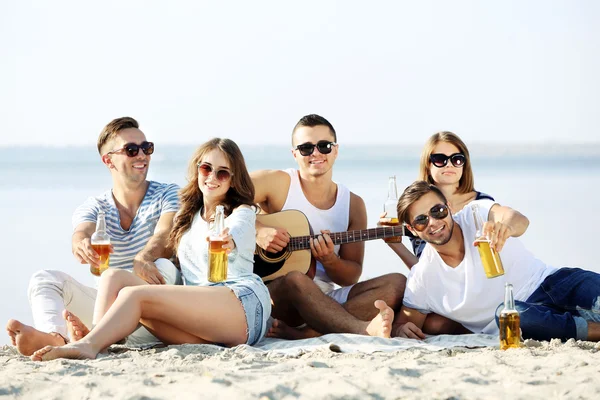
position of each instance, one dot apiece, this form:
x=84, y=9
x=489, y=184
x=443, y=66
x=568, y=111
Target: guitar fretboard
x=303, y=242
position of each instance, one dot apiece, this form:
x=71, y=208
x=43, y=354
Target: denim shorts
x=255, y=299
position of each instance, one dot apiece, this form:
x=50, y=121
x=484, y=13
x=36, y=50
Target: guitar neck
x=362, y=235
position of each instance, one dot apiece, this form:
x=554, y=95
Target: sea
x=554, y=185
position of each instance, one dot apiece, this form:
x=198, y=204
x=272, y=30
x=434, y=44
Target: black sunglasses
x=439, y=211
x=324, y=147
x=221, y=174
x=440, y=160
x=132, y=149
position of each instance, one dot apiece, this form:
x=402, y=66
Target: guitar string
x=302, y=242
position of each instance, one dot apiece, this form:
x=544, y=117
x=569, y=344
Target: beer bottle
x=390, y=208
x=101, y=245
x=510, y=321
x=217, y=256
x=490, y=259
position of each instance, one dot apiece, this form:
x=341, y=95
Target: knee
x=393, y=289
x=296, y=282
x=128, y=292
x=46, y=277
x=114, y=277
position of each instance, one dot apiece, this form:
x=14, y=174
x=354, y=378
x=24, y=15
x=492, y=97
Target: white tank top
x=335, y=219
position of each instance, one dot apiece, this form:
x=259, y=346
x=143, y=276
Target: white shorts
x=340, y=295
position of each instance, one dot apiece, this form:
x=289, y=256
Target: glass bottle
x=510, y=321
x=217, y=255
x=101, y=244
x=390, y=208
x=490, y=259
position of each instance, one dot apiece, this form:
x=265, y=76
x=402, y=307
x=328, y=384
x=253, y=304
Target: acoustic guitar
x=297, y=255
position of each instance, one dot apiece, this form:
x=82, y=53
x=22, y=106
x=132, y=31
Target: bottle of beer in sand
x=217, y=256
x=510, y=321
x=101, y=245
x=492, y=264
x=390, y=208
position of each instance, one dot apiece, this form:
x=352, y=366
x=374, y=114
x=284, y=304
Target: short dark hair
x=112, y=129
x=312, y=120
x=413, y=193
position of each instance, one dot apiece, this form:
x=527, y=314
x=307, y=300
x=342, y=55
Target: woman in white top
x=229, y=313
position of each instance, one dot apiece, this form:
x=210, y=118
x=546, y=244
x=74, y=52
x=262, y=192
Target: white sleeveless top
x=335, y=219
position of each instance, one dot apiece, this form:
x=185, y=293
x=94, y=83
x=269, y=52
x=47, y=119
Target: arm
x=270, y=192
x=504, y=222
x=405, y=254
x=81, y=245
x=346, y=269
x=143, y=262
x=408, y=324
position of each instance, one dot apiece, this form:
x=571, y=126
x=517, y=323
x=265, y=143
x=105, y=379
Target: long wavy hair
x=241, y=190
x=466, y=184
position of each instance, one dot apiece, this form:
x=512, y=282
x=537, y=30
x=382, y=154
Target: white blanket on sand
x=349, y=343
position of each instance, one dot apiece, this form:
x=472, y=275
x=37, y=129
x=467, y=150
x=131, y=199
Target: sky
x=381, y=72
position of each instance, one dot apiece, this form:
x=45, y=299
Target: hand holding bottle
x=497, y=233
x=225, y=238
x=85, y=254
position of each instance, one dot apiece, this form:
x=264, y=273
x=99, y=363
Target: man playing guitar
x=296, y=297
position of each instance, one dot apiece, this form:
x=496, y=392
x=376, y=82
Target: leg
x=389, y=288
x=575, y=292
x=111, y=283
x=297, y=291
x=50, y=292
x=438, y=325
x=168, y=305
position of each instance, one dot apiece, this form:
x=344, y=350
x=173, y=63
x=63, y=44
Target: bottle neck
x=509, y=300
x=101, y=223
x=392, y=189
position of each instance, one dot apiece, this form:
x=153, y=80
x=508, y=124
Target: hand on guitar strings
x=322, y=247
x=272, y=239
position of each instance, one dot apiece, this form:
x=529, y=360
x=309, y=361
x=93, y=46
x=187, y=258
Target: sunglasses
x=439, y=211
x=221, y=174
x=440, y=160
x=132, y=149
x=324, y=147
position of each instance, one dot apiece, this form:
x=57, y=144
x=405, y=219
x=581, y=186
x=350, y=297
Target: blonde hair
x=241, y=189
x=466, y=183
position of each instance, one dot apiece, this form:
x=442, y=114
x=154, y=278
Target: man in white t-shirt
x=449, y=279
x=333, y=302
x=139, y=217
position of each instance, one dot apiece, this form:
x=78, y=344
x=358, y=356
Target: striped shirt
x=160, y=198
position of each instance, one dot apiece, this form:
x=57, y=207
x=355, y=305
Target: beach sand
x=548, y=370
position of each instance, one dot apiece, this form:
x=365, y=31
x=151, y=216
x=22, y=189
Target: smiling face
x=438, y=231
x=316, y=164
x=131, y=169
x=212, y=189
x=448, y=174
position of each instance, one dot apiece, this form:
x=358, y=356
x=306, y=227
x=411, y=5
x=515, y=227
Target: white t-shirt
x=463, y=293
x=335, y=219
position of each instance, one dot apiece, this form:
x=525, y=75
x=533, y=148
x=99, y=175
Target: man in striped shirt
x=139, y=217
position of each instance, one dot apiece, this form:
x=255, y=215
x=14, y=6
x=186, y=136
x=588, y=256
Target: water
x=556, y=188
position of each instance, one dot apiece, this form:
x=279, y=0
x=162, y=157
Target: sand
x=548, y=370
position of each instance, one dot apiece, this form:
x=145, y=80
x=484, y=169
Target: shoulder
x=267, y=174
x=482, y=196
x=166, y=188
x=244, y=211
x=356, y=203
x=357, y=211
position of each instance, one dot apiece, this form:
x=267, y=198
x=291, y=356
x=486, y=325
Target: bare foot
x=77, y=329
x=28, y=339
x=282, y=330
x=381, y=325
x=76, y=351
